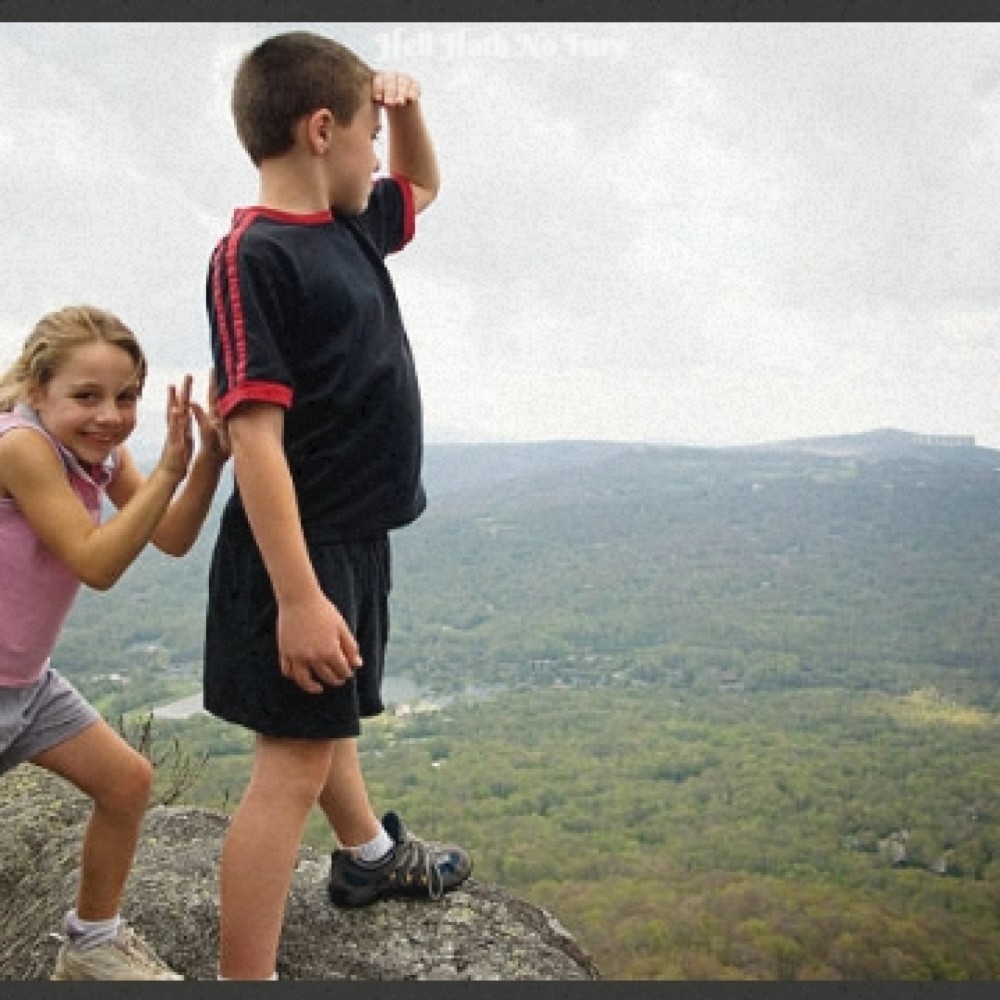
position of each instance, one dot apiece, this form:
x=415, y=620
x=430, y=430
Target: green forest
x=727, y=714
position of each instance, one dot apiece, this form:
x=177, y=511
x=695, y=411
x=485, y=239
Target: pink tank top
x=37, y=589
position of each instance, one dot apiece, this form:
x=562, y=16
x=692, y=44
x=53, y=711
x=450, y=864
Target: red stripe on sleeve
x=409, y=212
x=256, y=392
x=239, y=333
x=226, y=291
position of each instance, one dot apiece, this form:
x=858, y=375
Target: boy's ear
x=317, y=130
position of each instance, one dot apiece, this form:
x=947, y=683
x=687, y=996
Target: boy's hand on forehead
x=394, y=90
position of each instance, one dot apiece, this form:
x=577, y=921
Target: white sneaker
x=125, y=956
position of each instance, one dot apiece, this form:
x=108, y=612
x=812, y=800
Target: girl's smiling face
x=90, y=405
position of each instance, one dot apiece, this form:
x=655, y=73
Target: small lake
x=395, y=691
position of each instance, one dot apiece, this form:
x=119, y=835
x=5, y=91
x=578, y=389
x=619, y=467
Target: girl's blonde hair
x=55, y=337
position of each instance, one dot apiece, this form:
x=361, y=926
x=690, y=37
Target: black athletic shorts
x=243, y=682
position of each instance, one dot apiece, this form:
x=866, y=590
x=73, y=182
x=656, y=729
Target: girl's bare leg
x=118, y=779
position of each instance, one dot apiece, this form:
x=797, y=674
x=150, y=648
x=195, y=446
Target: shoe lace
x=136, y=948
x=418, y=860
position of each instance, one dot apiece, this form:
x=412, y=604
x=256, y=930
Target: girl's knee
x=138, y=778
x=130, y=787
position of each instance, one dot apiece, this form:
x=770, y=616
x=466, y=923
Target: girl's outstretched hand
x=179, y=445
x=213, y=439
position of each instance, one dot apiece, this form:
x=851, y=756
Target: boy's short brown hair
x=288, y=76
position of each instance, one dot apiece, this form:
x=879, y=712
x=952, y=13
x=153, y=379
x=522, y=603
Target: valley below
x=727, y=713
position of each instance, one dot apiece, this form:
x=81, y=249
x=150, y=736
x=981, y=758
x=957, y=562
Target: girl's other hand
x=212, y=434
x=179, y=445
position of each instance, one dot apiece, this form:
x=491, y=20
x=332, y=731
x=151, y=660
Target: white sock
x=376, y=849
x=90, y=933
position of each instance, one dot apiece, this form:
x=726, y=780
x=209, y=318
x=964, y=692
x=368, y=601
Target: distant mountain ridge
x=889, y=443
x=456, y=468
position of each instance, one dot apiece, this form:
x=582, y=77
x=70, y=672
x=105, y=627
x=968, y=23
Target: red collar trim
x=297, y=218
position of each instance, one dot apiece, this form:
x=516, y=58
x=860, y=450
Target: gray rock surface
x=478, y=932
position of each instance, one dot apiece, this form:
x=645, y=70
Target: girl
x=66, y=408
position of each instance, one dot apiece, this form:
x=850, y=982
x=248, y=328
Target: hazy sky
x=696, y=233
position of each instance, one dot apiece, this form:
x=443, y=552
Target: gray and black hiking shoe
x=413, y=868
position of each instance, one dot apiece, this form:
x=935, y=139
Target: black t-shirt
x=303, y=314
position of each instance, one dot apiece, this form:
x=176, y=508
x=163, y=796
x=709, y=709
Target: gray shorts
x=34, y=719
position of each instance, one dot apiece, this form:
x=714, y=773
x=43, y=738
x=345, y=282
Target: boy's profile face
x=352, y=158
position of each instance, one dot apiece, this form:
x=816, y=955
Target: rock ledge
x=478, y=932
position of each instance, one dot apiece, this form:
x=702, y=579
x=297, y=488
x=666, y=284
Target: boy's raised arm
x=411, y=151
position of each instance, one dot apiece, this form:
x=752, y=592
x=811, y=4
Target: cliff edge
x=478, y=932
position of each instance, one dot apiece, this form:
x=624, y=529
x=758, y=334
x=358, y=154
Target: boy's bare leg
x=260, y=851
x=344, y=798
x=118, y=779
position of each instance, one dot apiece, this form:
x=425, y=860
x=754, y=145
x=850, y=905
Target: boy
x=318, y=388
